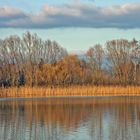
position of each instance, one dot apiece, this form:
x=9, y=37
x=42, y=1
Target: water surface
x=70, y=119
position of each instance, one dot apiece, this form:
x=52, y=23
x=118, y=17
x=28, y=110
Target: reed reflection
x=80, y=119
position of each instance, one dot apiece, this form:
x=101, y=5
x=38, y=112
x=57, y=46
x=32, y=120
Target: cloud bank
x=73, y=15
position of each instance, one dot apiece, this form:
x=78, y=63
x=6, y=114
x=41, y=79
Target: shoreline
x=65, y=97
x=70, y=91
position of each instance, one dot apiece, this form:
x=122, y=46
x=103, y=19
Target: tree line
x=31, y=61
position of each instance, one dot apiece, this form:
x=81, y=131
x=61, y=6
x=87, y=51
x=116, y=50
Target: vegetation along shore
x=74, y=91
x=32, y=67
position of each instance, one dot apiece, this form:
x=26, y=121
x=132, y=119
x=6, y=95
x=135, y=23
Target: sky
x=75, y=24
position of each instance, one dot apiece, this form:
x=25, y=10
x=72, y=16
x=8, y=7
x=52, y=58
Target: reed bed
x=28, y=92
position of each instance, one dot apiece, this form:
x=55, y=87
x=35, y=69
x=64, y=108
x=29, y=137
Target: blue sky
x=75, y=24
x=35, y=5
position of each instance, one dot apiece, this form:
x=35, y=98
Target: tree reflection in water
x=71, y=119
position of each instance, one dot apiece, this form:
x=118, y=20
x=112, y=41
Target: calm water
x=70, y=119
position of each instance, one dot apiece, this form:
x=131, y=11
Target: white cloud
x=73, y=15
x=10, y=12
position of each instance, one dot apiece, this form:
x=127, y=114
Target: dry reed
x=28, y=92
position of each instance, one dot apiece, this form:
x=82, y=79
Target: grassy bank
x=28, y=92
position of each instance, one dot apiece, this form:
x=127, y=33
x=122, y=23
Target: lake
x=108, y=118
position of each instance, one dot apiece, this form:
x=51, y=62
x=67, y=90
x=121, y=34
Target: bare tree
x=118, y=52
x=95, y=57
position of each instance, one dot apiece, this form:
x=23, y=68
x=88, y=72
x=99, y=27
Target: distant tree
x=118, y=53
x=95, y=57
x=29, y=60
